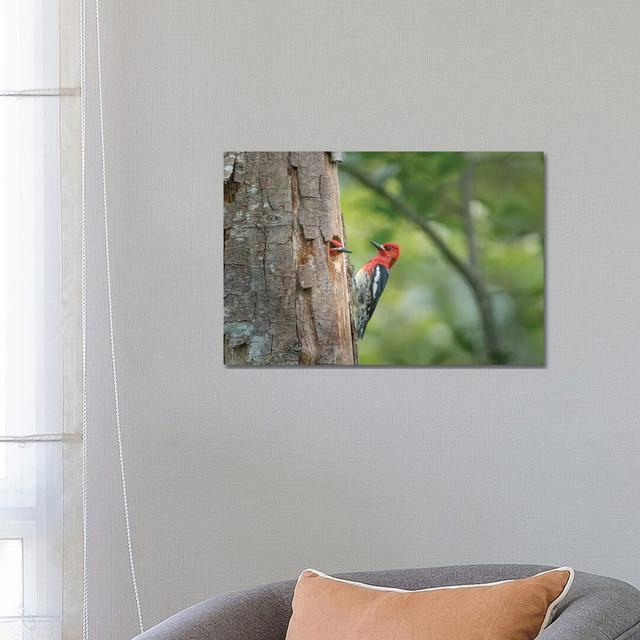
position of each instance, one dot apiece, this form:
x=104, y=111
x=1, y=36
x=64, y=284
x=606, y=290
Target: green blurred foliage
x=427, y=314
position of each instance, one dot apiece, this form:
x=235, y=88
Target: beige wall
x=398, y=467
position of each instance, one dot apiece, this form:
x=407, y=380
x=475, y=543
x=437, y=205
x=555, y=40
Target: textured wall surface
x=371, y=468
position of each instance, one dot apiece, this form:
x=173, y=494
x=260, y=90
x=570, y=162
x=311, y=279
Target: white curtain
x=40, y=552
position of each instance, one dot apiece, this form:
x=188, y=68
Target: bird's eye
x=387, y=248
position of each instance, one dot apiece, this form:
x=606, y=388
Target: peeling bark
x=286, y=301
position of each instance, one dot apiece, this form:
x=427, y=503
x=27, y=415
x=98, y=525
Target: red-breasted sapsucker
x=370, y=281
x=336, y=248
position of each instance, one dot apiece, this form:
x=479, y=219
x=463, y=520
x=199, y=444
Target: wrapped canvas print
x=384, y=258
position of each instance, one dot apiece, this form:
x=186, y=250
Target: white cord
x=114, y=370
x=83, y=287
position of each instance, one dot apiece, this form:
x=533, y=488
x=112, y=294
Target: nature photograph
x=384, y=258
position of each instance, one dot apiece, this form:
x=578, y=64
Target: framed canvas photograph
x=384, y=258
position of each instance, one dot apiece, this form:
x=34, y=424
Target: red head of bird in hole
x=336, y=248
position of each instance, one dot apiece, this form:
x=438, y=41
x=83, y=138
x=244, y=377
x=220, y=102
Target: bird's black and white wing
x=369, y=286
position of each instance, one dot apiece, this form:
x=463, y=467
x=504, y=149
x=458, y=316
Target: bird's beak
x=376, y=245
x=341, y=250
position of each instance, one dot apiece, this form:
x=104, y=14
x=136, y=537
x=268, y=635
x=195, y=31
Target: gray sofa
x=596, y=608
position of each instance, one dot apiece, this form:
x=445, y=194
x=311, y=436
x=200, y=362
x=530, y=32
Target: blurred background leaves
x=488, y=211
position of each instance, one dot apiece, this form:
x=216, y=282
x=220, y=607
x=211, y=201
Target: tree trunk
x=286, y=301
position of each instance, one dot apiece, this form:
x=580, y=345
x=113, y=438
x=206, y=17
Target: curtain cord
x=114, y=370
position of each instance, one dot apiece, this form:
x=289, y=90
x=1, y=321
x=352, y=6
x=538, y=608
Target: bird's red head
x=388, y=253
x=336, y=248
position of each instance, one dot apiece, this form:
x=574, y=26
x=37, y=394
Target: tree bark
x=286, y=301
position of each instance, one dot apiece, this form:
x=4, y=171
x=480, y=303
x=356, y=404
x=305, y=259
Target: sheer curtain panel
x=40, y=338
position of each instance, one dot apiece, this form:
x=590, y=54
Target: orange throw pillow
x=326, y=608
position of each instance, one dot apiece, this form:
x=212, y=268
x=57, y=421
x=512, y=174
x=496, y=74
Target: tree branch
x=466, y=196
x=466, y=271
x=411, y=214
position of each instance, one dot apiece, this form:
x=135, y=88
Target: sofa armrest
x=258, y=614
x=597, y=608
